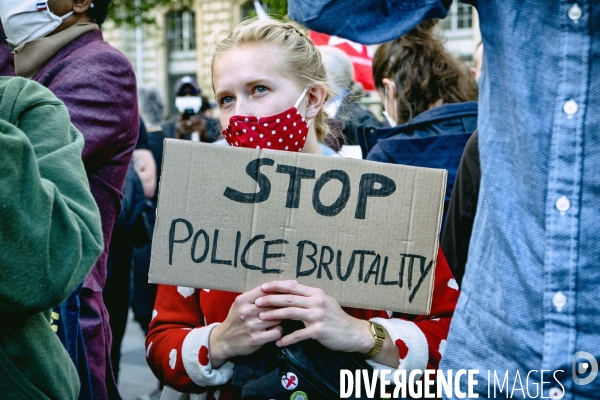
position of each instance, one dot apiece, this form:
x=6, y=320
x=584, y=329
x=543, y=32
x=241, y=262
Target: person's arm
x=419, y=341
x=99, y=91
x=177, y=345
x=373, y=21
x=98, y=87
x=50, y=234
x=144, y=164
x=145, y=168
x=178, y=326
x=189, y=356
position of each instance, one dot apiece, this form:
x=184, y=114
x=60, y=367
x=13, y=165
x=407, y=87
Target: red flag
x=360, y=55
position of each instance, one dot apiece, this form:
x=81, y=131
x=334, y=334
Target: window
x=181, y=31
x=181, y=48
x=458, y=31
x=460, y=16
x=464, y=16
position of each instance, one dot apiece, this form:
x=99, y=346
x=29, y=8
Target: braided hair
x=302, y=60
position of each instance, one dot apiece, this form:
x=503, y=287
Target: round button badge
x=289, y=381
x=299, y=395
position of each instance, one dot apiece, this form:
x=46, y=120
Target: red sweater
x=177, y=343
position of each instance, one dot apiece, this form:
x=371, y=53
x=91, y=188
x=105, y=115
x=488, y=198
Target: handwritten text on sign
x=231, y=219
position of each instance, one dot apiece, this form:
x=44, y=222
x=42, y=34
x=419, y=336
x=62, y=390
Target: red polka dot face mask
x=284, y=131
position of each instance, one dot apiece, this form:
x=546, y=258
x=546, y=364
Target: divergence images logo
x=579, y=368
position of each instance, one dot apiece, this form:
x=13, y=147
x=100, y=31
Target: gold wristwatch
x=379, y=335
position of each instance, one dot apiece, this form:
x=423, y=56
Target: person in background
x=50, y=238
x=144, y=293
x=430, y=103
x=129, y=232
x=345, y=106
x=144, y=163
x=59, y=44
x=529, y=301
x=196, y=334
x=152, y=109
x=456, y=235
x=191, y=123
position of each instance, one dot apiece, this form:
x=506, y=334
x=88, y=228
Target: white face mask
x=188, y=103
x=387, y=116
x=27, y=20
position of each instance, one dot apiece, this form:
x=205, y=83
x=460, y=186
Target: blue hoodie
x=433, y=139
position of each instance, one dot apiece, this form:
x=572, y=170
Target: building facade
x=180, y=43
x=460, y=31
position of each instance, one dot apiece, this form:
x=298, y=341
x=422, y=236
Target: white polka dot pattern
x=271, y=132
x=442, y=348
x=185, y=291
x=173, y=358
x=452, y=284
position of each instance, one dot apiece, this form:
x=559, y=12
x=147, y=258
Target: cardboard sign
x=232, y=219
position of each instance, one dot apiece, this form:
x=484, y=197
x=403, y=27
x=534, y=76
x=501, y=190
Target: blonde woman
x=272, y=71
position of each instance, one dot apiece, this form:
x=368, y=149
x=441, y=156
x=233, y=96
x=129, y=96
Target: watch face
x=379, y=331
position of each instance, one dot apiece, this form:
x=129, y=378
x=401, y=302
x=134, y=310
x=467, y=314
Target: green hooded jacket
x=50, y=237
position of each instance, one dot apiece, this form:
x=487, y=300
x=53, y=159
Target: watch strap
x=379, y=334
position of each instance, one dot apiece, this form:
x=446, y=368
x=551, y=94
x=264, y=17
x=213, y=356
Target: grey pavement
x=135, y=378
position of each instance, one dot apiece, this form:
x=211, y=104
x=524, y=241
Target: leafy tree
x=275, y=8
x=130, y=12
x=137, y=12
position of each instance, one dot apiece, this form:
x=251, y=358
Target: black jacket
x=461, y=211
x=352, y=115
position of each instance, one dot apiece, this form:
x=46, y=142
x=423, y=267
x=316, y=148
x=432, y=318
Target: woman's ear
x=81, y=6
x=316, y=95
x=390, y=88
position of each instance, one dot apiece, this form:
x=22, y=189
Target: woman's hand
x=145, y=167
x=242, y=332
x=322, y=315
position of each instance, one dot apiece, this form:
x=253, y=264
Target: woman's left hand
x=322, y=315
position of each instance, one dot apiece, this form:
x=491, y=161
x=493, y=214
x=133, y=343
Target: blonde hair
x=302, y=61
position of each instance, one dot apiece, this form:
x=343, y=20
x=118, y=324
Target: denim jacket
x=530, y=297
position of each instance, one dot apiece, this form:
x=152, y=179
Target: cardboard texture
x=231, y=219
